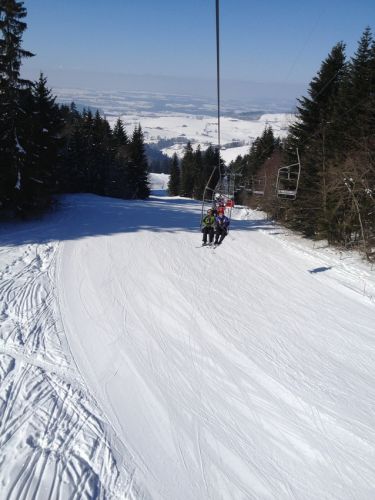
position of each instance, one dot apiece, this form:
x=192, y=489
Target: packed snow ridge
x=136, y=364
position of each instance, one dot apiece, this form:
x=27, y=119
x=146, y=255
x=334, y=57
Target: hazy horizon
x=269, y=52
x=250, y=92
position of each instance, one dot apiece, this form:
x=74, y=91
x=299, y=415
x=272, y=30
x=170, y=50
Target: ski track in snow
x=134, y=365
x=54, y=441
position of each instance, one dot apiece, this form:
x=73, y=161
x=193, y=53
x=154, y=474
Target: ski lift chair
x=288, y=180
x=259, y=185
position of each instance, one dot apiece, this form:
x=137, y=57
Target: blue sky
x=273, y=42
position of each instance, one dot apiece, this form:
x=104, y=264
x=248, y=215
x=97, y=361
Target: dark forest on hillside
x=334, y=134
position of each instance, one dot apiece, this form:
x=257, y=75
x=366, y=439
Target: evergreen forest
x=334, y=137
x=46, y=148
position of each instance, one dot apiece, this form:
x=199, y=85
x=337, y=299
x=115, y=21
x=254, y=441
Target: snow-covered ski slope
x=54, y=440
x=135, y=364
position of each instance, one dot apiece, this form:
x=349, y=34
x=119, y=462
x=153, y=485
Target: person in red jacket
x=220, y=210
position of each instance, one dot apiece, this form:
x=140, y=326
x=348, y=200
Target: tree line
x=196, y=169
x=46, y=148
x=334, y=134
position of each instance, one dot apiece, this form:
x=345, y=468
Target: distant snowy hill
x=136, y=364
x=178, y=129
x=169, y=121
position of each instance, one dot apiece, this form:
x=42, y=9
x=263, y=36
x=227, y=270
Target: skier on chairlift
x=221, y=228
x=219, y=204
x=208, y=228
x=220, y=210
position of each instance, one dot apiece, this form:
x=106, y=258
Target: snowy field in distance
x=203, y=130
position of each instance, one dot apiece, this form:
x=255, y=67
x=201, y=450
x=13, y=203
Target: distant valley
x=169, y=121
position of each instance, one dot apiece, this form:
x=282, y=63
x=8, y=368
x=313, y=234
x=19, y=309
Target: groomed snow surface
x=136, y=364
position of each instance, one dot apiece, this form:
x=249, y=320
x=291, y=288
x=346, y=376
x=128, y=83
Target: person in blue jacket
x=221, y=228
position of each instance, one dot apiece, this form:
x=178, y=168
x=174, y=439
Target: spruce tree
x=211, y=167
x=88, y=154
x=261, y=149
x=174, y=179
x=71, y=161
x=44, y=142
x=358, y=92
x=12, y=152
x=352, y=172
x=199, y=180
x=118, y=179
x=313, y=135
x=137, y=172
x=72, y=172
x=101, y=152
x=187, y=172
x=316, y=110
x=120, y=138
x=205, y=168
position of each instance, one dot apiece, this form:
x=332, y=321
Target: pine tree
x=71, y=170
x=174, y=179
x=199, y=180
x=261, y=149
x=205, y=168
x=117, y=186
x=101, y=152
x=351, y=183
x=211, y=167
x=313, y=135
x=12, y=152
x=43, y=132
x=120, y=138
x=137, y=172
x=187, y=172
x=316, y=110
x=358, y=92
x=88, y=154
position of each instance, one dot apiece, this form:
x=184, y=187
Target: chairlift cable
x=218, y=79
x=223, y=193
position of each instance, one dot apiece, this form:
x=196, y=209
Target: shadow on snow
x=319, y=270
x=84, y=215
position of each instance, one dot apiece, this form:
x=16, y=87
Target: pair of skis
x=209, y=245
